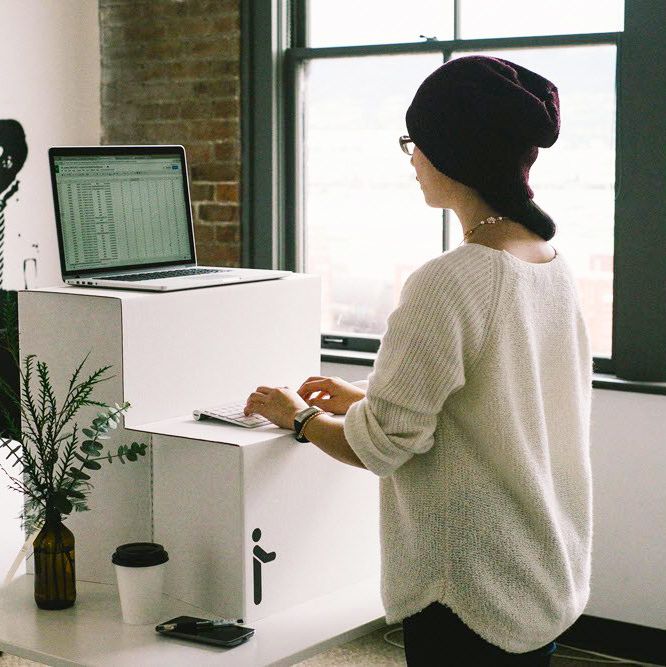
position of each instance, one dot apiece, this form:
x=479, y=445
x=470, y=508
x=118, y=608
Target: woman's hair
x=525, y=211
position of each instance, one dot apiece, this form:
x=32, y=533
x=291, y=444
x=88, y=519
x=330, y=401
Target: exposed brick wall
x=171, y=74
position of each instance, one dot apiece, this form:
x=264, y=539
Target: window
x=365, y=225
x=345, y=202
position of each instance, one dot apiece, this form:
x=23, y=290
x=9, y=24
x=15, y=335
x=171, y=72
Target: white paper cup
x=140, y=582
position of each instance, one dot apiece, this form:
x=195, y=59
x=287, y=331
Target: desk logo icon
x=259, y=557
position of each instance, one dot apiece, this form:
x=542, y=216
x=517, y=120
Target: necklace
x=490, y=221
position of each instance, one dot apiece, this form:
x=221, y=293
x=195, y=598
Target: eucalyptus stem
x=80, y=469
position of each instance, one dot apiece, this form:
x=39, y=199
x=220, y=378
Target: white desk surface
x=213, y=430
x=92, y=632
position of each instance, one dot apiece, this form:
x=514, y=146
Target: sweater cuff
x=365, y=436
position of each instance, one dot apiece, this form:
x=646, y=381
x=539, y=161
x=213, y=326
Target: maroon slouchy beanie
x=480, y=121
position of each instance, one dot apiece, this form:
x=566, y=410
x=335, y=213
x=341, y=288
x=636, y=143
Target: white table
x=92, y=632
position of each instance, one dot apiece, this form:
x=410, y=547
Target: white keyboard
x=232, y=413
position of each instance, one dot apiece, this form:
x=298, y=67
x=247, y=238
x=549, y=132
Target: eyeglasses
x=406, y=144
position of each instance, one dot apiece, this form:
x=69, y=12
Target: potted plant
x=48, y=458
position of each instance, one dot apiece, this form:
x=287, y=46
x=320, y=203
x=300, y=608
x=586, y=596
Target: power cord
x=558, y=653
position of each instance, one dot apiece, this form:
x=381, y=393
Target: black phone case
x=214, y=637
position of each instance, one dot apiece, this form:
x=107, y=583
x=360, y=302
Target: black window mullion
x=342, y=341
x=256, y=132
x=446, y=214
x=459, y=45
x=289, y=221
x=639, y=277
x=298, y=23
x=456, y=19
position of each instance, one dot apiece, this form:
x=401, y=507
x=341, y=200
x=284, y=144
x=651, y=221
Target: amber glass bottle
x=55, y=584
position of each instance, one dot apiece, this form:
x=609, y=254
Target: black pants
x=436, y=637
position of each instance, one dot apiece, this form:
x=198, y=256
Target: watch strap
x=302, y=418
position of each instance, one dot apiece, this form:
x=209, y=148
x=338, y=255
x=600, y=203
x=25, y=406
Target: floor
x=371, y=649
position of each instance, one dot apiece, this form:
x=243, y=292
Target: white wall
x=50, y=83
x=628, y=449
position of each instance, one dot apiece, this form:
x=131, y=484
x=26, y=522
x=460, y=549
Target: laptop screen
x=121, y=210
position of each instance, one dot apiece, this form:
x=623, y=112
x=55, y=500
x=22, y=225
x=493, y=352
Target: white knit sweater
x=476, y=420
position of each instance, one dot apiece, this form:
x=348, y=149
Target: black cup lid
x=140, y=554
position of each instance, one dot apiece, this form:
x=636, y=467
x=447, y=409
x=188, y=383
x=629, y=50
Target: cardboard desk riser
x=253, y=521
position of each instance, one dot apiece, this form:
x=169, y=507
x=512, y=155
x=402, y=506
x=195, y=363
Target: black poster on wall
x=13, y=153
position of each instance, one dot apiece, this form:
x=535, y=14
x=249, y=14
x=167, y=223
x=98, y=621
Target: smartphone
x=225, y=635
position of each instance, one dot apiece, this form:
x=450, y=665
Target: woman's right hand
x=334, y=394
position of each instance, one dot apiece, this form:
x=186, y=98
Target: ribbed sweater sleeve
x=433, y=339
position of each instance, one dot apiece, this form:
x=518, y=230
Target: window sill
x=599, y=380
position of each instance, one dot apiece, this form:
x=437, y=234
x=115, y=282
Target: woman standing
x=476, y=416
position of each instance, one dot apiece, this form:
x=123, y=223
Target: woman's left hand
x=277, y=404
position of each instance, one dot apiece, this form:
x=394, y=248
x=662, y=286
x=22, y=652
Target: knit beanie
x=481, y=120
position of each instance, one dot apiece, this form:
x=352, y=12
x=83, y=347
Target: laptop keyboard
x=166, y=274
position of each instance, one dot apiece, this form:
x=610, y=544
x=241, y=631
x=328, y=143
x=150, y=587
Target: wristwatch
x=302, y=418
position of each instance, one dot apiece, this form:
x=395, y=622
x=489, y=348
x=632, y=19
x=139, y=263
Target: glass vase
x=55, y=583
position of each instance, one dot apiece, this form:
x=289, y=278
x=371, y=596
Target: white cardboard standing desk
x=254, y=522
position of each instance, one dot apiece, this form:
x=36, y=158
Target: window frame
x=272, y=52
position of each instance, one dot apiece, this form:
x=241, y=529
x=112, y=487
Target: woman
x=476, y=415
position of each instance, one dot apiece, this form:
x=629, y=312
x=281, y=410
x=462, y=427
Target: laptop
x=124, y=220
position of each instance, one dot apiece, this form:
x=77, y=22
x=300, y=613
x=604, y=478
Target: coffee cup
x=140, y=575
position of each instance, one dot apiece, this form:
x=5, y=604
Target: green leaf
x=92, y=465
x=91, y=448
x=77, y=474
x=79, y=457
x=61, y=503
x=88, y=432
x=139, y=448
x=108, y=456
x=75, y=494
x=131, y=456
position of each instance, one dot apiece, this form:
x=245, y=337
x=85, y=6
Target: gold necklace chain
x=488, y=221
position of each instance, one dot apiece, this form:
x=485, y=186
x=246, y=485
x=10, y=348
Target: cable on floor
x=610, y=659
